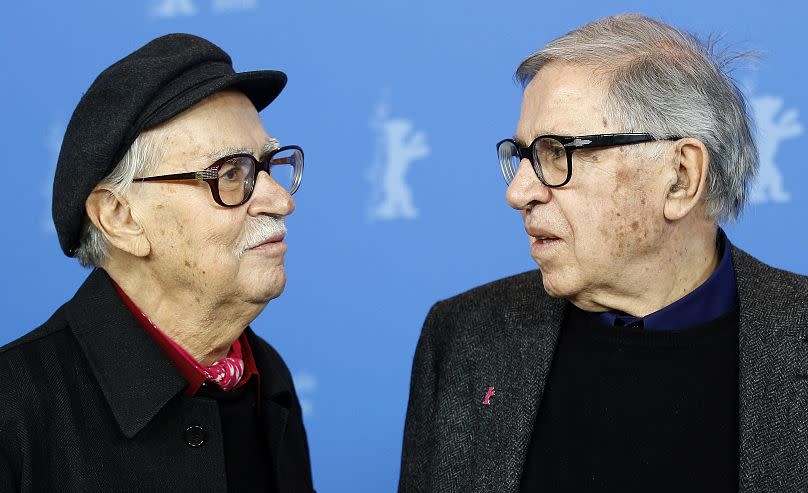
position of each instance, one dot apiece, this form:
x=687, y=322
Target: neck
x=205, y=328
x=684, y=261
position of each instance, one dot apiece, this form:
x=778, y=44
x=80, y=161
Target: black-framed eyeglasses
x=232, y=178
x=551, y=155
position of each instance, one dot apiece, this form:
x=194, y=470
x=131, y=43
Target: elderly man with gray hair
x=150, y=378
x=647, y=353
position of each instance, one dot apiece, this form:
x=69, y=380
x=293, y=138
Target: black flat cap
x=158, y=81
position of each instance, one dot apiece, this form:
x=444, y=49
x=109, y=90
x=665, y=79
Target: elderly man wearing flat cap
x=647, y=353
x=149, y=378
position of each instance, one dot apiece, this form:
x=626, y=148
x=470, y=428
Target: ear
x=113, y=217
x=688, y=185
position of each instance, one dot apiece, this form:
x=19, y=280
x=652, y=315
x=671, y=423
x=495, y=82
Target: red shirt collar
x=189, y=367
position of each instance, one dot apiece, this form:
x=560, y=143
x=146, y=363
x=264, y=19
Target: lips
x=272, y=239
x=541, y=235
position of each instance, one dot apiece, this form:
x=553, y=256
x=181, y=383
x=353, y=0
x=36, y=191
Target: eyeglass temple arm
x=613, y=140
x=205, y=174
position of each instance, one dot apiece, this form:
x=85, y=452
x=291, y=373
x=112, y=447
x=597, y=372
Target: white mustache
x=259, y=230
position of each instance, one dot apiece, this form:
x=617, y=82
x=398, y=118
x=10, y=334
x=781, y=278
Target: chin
x=557, y=285
x=273, y=291
x=268, y=287
x=276, y=291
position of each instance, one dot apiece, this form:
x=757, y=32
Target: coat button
x=194, y=436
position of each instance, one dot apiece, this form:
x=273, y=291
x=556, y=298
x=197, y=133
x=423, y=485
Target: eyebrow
x=268, y=146
x=226, y=151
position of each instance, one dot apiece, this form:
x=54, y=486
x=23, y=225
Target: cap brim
x=261, y=88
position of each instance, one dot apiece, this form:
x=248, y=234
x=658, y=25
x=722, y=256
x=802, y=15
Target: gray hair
x=666, y=82
x=139, y=160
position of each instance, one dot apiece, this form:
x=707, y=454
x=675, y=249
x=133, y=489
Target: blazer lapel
x=512, y=373
x=772, y=379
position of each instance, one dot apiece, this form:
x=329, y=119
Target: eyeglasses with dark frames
x=551, y=155
x=232, y=178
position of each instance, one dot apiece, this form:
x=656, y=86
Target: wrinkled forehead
x=563, y=99
x=223, y=124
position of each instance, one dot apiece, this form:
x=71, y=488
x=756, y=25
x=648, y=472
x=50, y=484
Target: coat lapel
x=518, y=353
x=773, y=377
x=516, y=349
x=276, y=402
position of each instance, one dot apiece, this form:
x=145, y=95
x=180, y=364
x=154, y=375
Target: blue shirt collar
x=714, y=298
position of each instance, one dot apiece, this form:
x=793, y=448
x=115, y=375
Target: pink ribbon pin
x=488, y=396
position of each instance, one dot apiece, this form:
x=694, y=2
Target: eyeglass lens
x=237, y=175
x=549, y=160
x=286, y=167
x=552, y=158
x=508, y=159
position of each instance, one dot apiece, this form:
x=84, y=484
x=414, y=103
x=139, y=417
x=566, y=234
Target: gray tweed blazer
x=503, y=335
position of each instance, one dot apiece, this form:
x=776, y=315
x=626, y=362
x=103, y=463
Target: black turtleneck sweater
x=632, y=410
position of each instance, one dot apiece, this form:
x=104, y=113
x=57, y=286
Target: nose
x=526, y=188
x=269, y=198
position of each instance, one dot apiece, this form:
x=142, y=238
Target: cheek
x=215, y=246
x=612, y=223
x=194, y=243
x=599, y=232
x=628, y=226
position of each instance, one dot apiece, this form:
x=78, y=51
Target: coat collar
x=135, y=376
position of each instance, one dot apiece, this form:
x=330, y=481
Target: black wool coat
x=504, y=335
x=88, y=402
